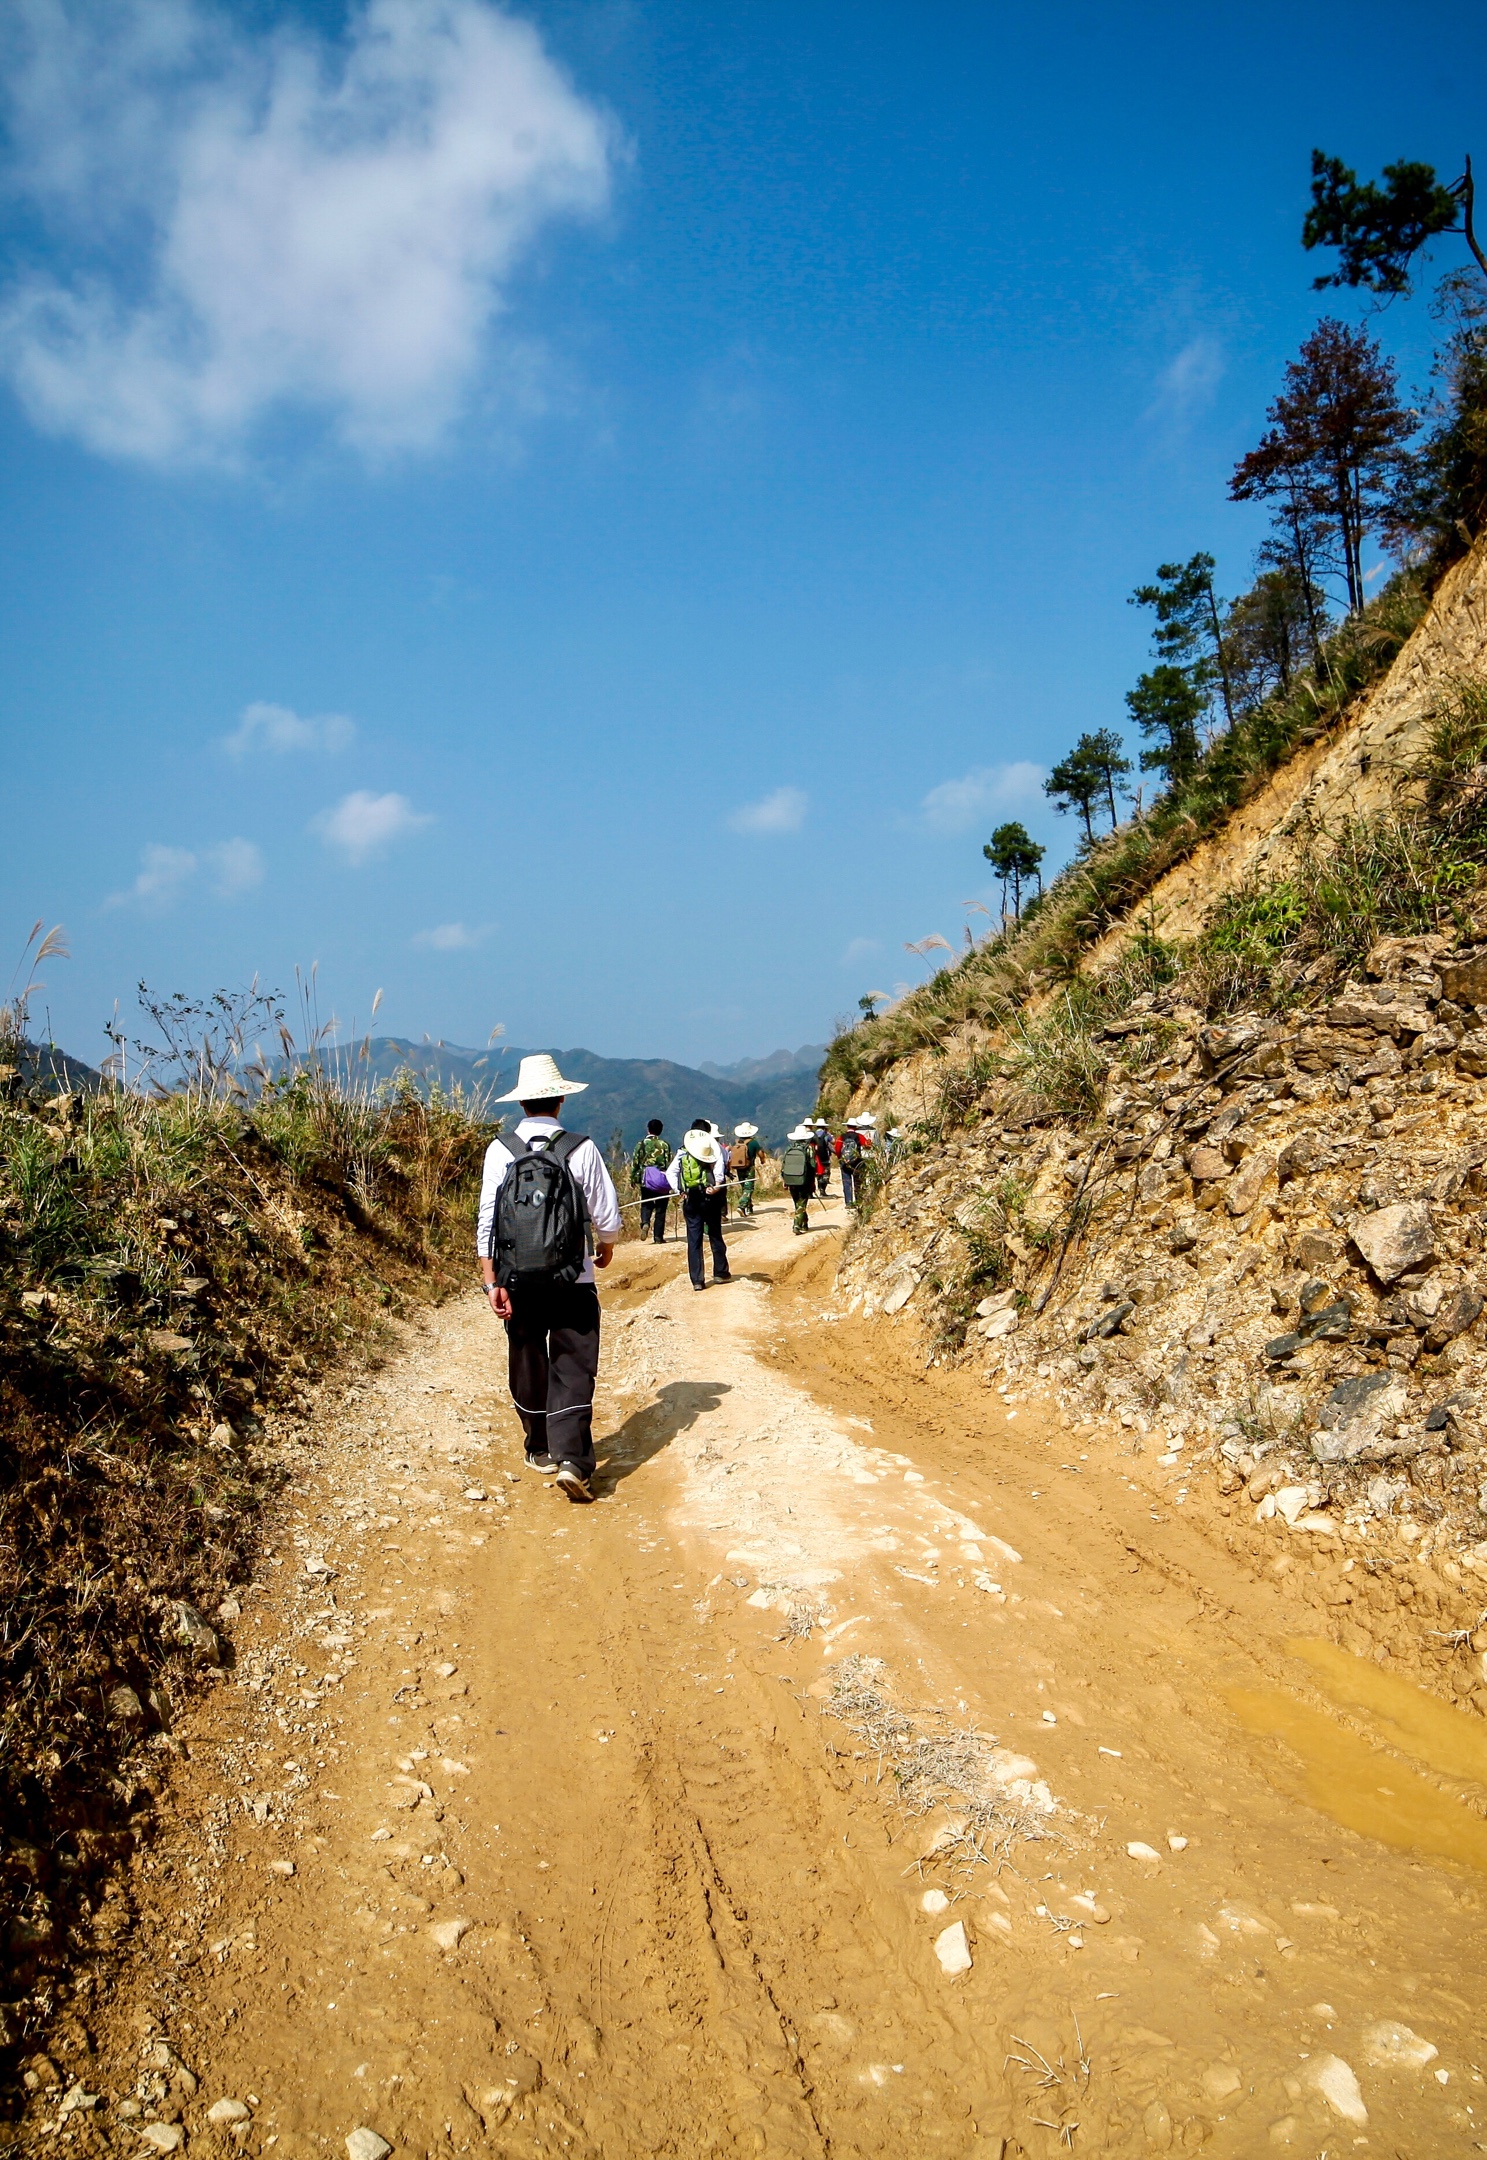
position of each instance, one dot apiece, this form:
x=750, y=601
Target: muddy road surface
x=878, y=1767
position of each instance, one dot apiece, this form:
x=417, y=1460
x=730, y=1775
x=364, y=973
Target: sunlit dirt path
x=519, y=1827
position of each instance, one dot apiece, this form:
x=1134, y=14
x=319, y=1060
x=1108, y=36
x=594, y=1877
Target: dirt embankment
x=877, y=1767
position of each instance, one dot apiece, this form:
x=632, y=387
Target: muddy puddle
x=1357, y=1778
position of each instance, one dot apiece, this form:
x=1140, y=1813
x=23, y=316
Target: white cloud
x=250, y=224
x=362, y=825
x=233, y=868
x=236, y=867
x=452, y=937
x=1186, y=385
x=781, y=812
x=276, y=727
x=956, y=805
x=861, y=948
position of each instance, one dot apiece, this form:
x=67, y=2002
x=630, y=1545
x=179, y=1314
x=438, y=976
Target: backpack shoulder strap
x=514, y=1145
x=564, y=1145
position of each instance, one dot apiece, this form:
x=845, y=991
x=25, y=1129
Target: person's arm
x=601, y=1199
x=674, y=1172
x=492, y=1177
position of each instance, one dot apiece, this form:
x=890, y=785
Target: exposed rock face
x=1395, y=1239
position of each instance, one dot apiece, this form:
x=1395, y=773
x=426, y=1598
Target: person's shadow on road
x=676, y=1406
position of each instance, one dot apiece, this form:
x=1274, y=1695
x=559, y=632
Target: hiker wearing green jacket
x=743, y=1159
x=798, y=1169
x=648, y=1176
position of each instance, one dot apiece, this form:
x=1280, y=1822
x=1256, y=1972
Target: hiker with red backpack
x=548, y=1216
x=648, y=1171
x=699, y=1172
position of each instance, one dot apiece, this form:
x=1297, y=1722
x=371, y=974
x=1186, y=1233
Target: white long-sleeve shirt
x=588, y=1167
x=717, y=1171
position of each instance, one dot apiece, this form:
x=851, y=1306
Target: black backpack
x=851, y=1154
x=539, y=1227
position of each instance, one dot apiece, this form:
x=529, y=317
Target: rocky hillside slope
x=1225, y=1195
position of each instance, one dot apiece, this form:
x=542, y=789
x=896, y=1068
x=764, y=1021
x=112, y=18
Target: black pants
x=704, y=1212
x=654, y=1212
x=552, y=1346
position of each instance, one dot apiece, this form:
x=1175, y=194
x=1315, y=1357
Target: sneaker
x=544, y=1463
x=572, y=1481
x=699, y=1286
x=722, y=1278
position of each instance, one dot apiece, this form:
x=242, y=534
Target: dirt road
x=878, y=1768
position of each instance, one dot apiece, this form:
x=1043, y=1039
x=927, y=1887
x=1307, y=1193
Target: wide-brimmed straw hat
x=866, y=1118
x=539, y=1079
x=801, y=1132
x=701, y=1144
x=744, y=1131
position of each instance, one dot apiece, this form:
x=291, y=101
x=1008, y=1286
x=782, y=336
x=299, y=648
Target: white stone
x=1334, y=2079
x=1394, y=2046
x=1176, y=1843
x=1138, y=1851
x=163, y=2137
x=953, y=1951
x=474, y=1492
x=1290, y=1502
x=899, y=1296
x=446, y=1671
x=281, y=1867
x=364, y=2144
x=447, y=1933
x=228, y=2111
x=934, y=1901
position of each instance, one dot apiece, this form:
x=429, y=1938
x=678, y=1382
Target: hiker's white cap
x=538, y=1079
x=700, y=1144
x=744, y=1131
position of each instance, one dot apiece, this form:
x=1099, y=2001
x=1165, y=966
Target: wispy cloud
x=452, y=937
x=363, y=825
x=230, y=868
x=278, y=728
x=956, y=805
x=240, y=224
x=1186, y=385
x=782, y=812
x=861, y=948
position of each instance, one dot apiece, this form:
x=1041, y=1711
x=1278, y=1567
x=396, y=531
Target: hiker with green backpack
x=851, y=1153
x=798, y=1169
x=699, y=1172
x=548, y=1217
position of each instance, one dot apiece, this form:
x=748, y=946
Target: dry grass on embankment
x=173, y=1272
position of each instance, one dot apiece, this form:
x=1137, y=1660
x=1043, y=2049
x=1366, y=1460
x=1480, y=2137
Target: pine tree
x=1188, y=633
x=1378, y=231
x=1335, y=444
x=1167, y=708
x=1074, y=785
x=1088, y=775
x=1015, y=856
x=1269, y=632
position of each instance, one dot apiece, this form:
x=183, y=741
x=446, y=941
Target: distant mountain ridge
x=621, y=1094
x=809, y=1058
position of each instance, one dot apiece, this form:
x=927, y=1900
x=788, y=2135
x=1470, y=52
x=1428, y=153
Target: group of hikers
x=549, y=1216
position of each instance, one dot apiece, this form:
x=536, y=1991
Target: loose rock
x=364, y=2144
x=953, y=1951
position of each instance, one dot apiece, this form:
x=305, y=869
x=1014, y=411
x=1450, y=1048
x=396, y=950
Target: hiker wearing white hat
x=743, y=1157
x=548, y=1215
x=699, y=1172
x=851, y=1152
x=798, y=1169
x=821, y=1137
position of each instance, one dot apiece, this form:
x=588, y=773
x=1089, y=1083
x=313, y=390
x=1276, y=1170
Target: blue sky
x=583, y=518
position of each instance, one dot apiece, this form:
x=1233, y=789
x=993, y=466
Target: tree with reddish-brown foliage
x=1335, y=443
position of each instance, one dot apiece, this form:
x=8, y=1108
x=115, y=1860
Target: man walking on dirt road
x=533, y=1235
x=648, y=1174
x=699, y=1172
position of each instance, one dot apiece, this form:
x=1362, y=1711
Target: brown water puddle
x=1357, y=1783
